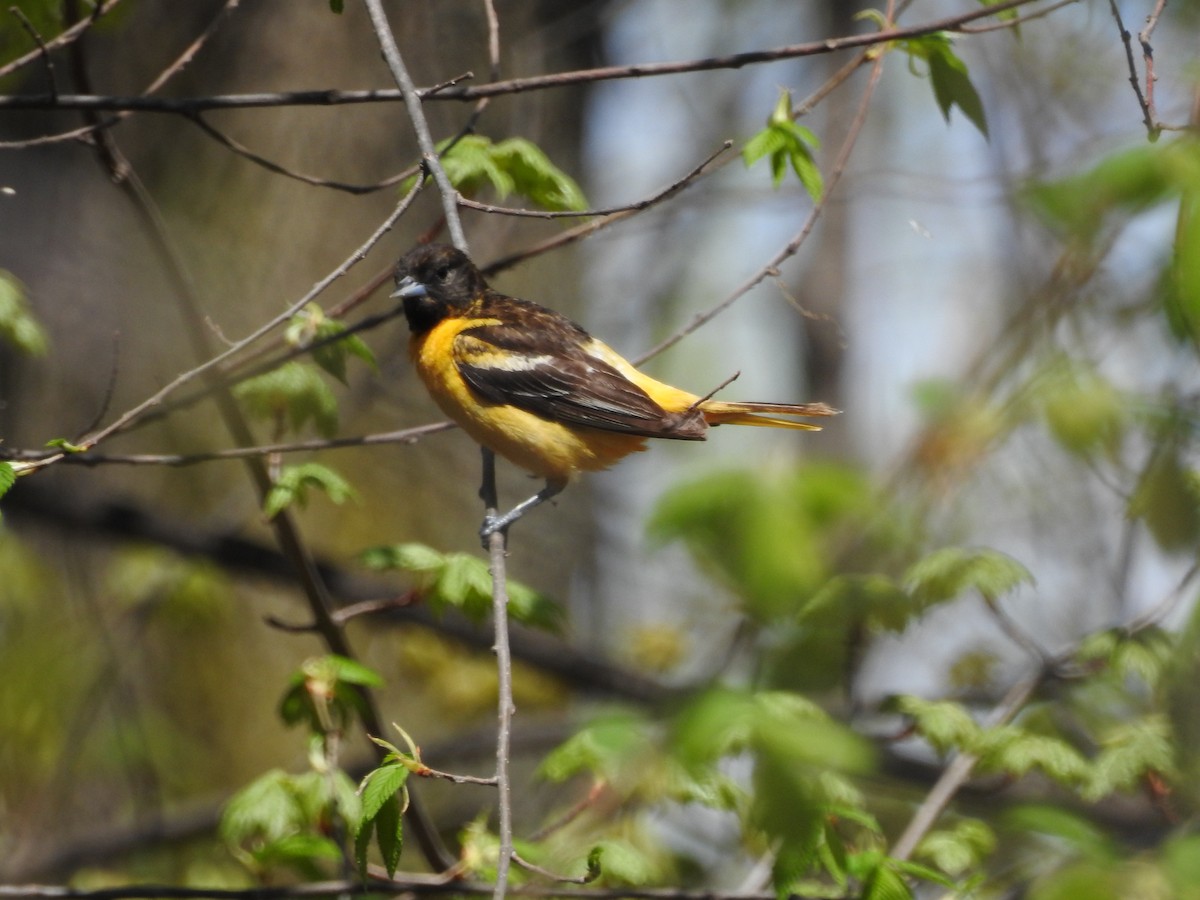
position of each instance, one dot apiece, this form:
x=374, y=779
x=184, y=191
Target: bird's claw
x=491, y=524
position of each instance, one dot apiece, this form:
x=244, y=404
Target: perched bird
x=534, y=387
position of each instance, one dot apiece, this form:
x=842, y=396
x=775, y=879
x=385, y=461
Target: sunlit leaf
x=951, y=571
x=294, y=394
x=293, y=483
x=310, y=326
x=785, y=142
x=949, y=77
x=515, y=165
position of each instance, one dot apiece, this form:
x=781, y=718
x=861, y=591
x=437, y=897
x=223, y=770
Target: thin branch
x=412, y=101
x=279, y=169
x=511, y=86
x=1018, y=21
x=497, y=550
x=126, y=419
x=1127, y=40
x=176, y=460
x=43, y=50
x=772, y=267
x=1148, y=56
x=581, y=231
x=415, y=884
x=61, y=40
x=553, y=876
x=960, y=768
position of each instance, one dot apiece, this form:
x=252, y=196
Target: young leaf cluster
x=461, y=581
x=785, y=142
x=512, y=166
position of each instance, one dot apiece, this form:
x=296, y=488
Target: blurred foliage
x=462, y=581
x=18, y=327
x=512, y=166
x=818, y=562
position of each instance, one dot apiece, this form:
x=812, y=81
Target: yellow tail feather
x=725, y=412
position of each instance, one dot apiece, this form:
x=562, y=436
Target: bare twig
x=546, y=873
x=956, y=774
x=581, y=231
x=412, y=101
x=1148, y=56
x=1127, y=40
x=43, y=51
x=405, y=884
x=1018, y=21
x=279, y=169
x=61, y=40
x=403, y=436
x=772, y=267
x=132, y=415
x=515, y=85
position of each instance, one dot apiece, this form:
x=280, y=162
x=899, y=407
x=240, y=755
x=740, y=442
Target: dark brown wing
x=538, y=360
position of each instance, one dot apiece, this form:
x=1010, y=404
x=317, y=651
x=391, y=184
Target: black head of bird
x=434, y=280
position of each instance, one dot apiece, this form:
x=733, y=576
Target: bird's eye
x=443, y=273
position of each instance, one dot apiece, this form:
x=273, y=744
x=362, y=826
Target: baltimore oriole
x=534, y=387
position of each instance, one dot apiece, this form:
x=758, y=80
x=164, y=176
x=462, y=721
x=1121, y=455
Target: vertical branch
x=496, y=552
x=497, y=541
x=416, y=114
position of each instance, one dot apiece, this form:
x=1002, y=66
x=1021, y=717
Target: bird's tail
x=725, y=412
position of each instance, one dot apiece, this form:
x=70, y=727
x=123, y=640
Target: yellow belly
x=550, y=450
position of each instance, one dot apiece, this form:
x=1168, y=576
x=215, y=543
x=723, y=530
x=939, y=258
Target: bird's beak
x=409, y=287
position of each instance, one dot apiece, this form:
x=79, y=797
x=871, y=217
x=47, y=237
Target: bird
x=532, y=386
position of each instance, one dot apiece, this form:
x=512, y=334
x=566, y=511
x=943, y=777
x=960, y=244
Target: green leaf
x=8, y=477
x=620, y=861
x=379, y=786
x=603, y=748
x=325, y=693
x=65, y=446
x=294, y=394
x=293, y=483
x=534, y=176
x=463, y=581
x=960, y=849
x=1123, y=183
x=885, y=883
x=946, y=725
x=1074, y=830
x=786, y=143
x=337, y=6
x=1129, y=752
x=951, y=571
x=386, y=822
x=1181, y=300
x=515, y=165
x=416, y=558
x=310, y=326
x=1167, y=499
x=265, y=808
x=1017, y=752
x=1083, y=410
x=874, y=599
x=18, y=327
x=949, y=77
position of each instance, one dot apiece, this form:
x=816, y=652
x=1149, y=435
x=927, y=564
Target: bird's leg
x=492, y=524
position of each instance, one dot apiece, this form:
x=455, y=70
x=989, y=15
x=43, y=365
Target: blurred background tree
x=948, y=642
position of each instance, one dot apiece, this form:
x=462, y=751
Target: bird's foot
x=492, y=524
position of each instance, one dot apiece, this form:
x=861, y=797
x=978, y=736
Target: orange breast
x=551, y=450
